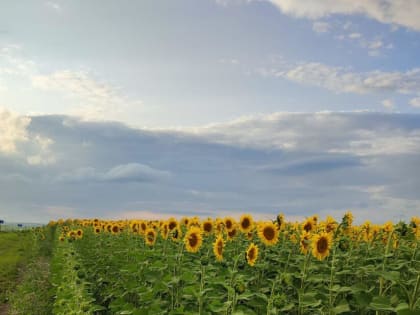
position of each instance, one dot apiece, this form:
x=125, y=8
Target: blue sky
x=138, y=108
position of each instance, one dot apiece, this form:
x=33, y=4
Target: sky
x=152, y=109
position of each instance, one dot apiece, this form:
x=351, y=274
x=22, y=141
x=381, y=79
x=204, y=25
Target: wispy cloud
x=321, y=27
x=97, y=100
x=400, y=12
x=341, y=79
x=53, y=5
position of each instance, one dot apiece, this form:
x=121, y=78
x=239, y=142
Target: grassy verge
x=15, y=251
x=34, y=293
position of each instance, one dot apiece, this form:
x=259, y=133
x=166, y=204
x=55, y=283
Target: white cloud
x=13, y=130
x=415, y=102
x=131, y=172
x=44, y=155
x=134, y=172
x=16, y=139
x=302, y=132
x=400, y=12
x=97, y=100
x=321, y=27
x=340, y=79
x=354, y=35
x=387, y=103
x=53, y=5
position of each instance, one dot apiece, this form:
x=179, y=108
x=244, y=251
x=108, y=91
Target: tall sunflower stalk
x=302, y=281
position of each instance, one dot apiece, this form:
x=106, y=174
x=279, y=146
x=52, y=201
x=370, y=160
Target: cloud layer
x=297, y=163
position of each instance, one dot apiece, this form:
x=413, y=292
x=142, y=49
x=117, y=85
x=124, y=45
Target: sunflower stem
x=302, y=282
x=332, y=269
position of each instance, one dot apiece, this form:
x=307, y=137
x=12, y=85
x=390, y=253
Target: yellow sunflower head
x=79, y=233
x=231, y=234
x=308, y=225
x=305, y=241
x=229, y=223
x=280, y=220
x=207, y=226
x=150, y=237
x=218, y=246
x=193, y=239
x=176, y=234
x=252, y=254
x=268, y=233
x=164, y=230
x=172, y=224
x=115, y=229
x=246, y=223
x=185, y=221
x=321, y=244
x=97, y=230
x=347, y=219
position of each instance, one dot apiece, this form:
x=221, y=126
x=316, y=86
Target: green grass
x=15, y=250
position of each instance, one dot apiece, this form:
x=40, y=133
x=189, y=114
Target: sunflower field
x=228, y=266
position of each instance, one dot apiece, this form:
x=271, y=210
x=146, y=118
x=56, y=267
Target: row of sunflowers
x=245, y=266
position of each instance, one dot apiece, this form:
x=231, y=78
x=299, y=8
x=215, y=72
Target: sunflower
x=305, y=240
x=134, y=227
x=62, y=238
x=193, y=239
x=115, y=229
x=79, y=233
x=71, y=234
x=232, y=233
x=308, y=225
x=347, y=219
x=172, y=224
x=219, y=225
x=268, y=233
x=142, y=227
x=249, y=236
x=321, y=244
x=185, y=221
x=218, y=246
x=150, y=237
x=164, y=231
x=207, y=226
x=280, y=220
x=252, y=254
x=246, y=223
x=229, y=223
x=97, y=230
x=176, y=234
x=330, y=224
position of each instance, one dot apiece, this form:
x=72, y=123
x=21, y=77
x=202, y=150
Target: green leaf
x=342, y=307
x=381, y=303
x=308, y=300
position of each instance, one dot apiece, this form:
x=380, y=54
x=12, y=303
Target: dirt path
x=4, y=309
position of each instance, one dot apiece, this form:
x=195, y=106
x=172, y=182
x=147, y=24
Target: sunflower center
x=268, y=233
x=115, y=229
x=193, y=240
x=251, y=254
x=229, y=224
x=172, y=225
x=307, y=227
x=322, y=245
x=150, y=237
x=207, y=227
x=245, y=223
x=220, y=248
x=232, y=233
